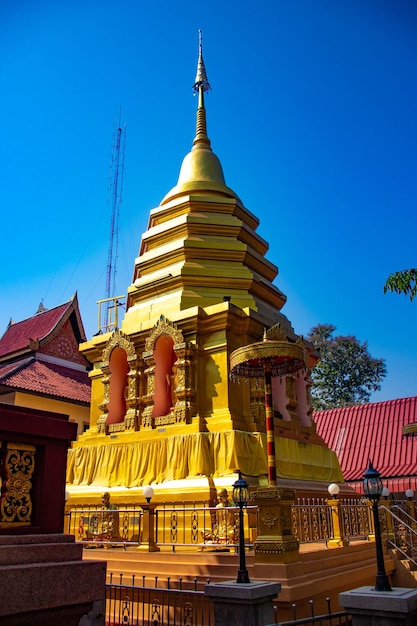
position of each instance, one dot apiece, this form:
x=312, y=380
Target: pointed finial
x=41, y=308
x=200, y=86
x=201, y=81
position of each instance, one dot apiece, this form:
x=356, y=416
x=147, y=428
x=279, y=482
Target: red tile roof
x=373, y=431
x=39, y=326
x=47, y=379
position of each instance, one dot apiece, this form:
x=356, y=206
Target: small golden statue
x=104, y=524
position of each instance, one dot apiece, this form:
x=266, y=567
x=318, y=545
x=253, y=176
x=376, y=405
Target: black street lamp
x=372, y=487
x=241, y=498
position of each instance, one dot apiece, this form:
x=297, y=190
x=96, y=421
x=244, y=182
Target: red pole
x=269, y=418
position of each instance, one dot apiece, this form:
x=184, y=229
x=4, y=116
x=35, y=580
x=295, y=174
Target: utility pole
x=108, y=308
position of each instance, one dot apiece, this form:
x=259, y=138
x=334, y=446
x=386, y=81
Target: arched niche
x=169, y=374
x=119, y=381
x=119, y=368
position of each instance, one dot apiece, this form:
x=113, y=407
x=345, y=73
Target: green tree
x=345, y=374
x=402, y=282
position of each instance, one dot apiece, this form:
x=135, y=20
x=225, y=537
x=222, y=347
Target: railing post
x=386, y=503
x=411, y=506
x=275, y=542
x=338, y=539
x=371, y=535
x=147, y=536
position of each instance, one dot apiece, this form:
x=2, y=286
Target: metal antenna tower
x=114, y=199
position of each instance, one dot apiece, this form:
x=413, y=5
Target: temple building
x=167, y=406
x=41, y=366
x=384, y=432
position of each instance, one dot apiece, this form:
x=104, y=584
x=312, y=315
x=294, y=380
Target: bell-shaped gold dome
x=199, y=165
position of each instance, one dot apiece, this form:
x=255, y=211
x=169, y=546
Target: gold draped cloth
x=197, y=454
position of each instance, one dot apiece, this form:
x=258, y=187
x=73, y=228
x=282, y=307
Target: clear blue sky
x=312, y=113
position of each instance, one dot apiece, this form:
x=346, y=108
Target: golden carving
x=273, y=493
x=118, y=340
x=276, y=547
x=163, y=327
x=165, y=420
x=269, y=519
x=118, y=427
x=276, y=332
x=19, y=464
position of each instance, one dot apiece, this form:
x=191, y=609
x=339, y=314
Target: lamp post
x=333, y=490
x=372, y=487
x=148, y=493
x=337, y=539
x=147, y=540
x=241, y=498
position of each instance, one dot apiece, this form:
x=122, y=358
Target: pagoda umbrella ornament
x=267, y=359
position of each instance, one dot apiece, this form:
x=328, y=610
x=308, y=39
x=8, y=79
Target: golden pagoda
x=167, y=407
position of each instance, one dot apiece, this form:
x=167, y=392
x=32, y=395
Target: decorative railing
x=313, y=520
x=96, y=526
x=202, y=526
x=356, y=519
x=132, y=600
x=175, y=525
x=401, y=531
x=128, y=602
x=329, y=618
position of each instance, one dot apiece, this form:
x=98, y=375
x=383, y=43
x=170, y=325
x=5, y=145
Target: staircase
x=215, y=566
x=401, y=530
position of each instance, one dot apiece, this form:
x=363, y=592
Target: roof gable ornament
x=41, y=308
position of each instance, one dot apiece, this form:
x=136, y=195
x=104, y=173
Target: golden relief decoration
x=118, y=340
x=163, y=327
x=269, y=519
x=275, y=493
x=18, y=468
x=276, y=547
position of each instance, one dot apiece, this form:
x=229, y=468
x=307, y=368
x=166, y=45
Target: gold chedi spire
x=200, y=86
x=201, y=168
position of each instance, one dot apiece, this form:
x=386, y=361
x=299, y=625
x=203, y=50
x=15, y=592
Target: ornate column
x=131, y=417
x=150, y=389
x=185, y=392
x=103, y=406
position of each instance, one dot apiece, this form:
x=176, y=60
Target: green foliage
x=346, y=374
x=402, y=282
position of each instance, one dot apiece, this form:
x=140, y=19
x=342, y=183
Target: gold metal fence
x=201, y=526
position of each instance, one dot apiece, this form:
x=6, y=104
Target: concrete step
x=216, y=566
